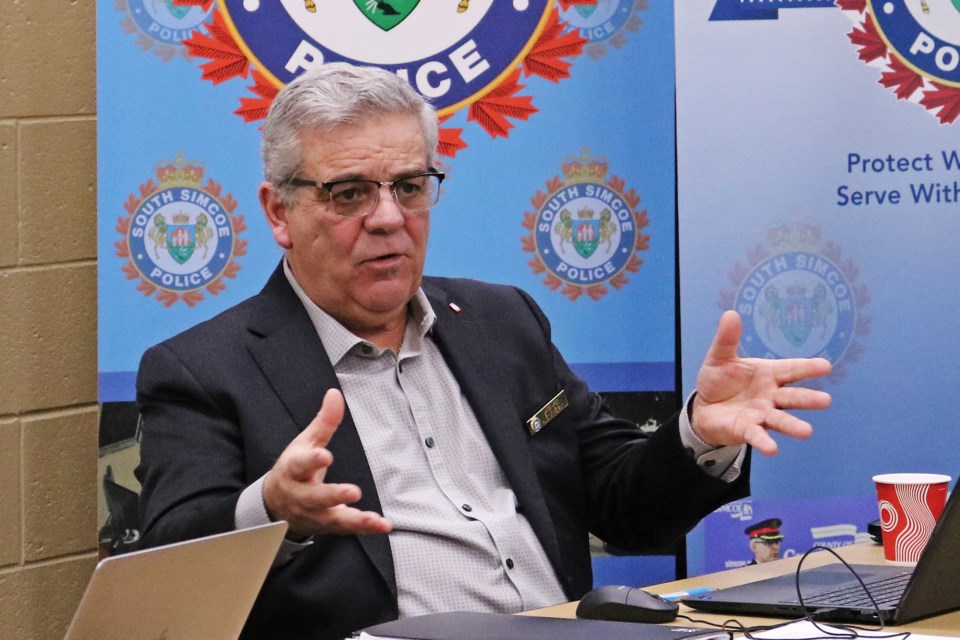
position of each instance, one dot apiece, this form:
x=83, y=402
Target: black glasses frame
x=327, y=187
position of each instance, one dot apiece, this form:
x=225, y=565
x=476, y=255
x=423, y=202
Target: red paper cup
x=910, y=504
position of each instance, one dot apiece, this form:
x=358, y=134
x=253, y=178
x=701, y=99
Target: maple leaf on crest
x=226, y=59
x=566, y=4
x=450, y=141
x=544, y=58
x=529, y=221
x=947, y=99
x=492, y=110
x=902, y=79
x=869, y=41
x=596, y=291
x=167, y=297
x=239, y=247
x=852, y=5
x=216, y=287
x=191, y=298
x=256, y=108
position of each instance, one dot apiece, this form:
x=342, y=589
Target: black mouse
x=626, y=604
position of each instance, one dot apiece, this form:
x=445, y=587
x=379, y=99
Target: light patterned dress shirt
x=458, y=541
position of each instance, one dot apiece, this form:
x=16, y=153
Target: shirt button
x=509, y=563
x=429, y=442
x=467, y=507
x=366, y=349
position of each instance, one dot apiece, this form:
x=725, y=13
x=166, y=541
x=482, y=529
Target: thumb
x=727, y=339
x=324, y=425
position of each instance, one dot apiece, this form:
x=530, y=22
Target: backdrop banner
x=556, y=137
x=818, y=180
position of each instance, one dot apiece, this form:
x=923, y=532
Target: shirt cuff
x=251, y=512
x=720, y=462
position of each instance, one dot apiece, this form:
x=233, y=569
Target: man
x=468, y=463
x=765, y=540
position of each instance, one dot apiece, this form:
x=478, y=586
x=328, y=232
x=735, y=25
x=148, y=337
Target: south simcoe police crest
x=798, y=297
x=916, y=44
x=585, y=232
x=161, y=26
x=604, y=23
x=181, y=237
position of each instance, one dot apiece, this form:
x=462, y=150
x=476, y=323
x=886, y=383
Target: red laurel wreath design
x=190, y=298
x=546, y=59
x=902, y=80
x=594, y=291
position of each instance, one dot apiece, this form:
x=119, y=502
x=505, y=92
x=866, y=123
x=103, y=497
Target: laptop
x=201, y=588
x=902, y=593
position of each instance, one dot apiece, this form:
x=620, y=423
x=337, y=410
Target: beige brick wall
x=48, y=332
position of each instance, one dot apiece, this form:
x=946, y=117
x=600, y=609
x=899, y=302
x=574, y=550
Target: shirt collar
x=338, y=340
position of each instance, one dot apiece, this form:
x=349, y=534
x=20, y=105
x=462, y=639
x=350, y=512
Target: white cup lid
x=911, y=478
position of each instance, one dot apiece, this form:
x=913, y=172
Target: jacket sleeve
x=191, y=456
x=639, y=491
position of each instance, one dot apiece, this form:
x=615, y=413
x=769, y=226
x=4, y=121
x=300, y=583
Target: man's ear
x=276, y=213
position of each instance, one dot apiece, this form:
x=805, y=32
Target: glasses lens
x=417, y=193
x=354, y=197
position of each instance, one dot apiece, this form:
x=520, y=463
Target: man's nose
x=387, y=213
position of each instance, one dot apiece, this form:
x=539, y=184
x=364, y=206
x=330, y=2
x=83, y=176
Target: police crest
x=798, y=297
x=585, y=233
x=181, y=236
x=605, y=23
x=916, y=44
x=461, y=54
x=161, y=26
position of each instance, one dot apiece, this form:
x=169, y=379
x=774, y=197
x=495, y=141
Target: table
x=864, y=553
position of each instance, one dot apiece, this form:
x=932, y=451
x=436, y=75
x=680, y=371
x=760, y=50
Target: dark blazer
x=221, y=401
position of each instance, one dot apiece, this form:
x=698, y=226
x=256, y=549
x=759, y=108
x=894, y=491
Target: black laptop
x=833, y=593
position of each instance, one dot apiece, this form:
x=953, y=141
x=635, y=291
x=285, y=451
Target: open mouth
x=385, y=259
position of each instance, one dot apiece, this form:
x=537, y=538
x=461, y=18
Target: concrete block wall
x=48, y=319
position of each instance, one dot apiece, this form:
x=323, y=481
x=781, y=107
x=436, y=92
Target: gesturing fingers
x=306, y=464
x=757, y=434
x=800, y=398
x=789, y=425
x=796, y=369
x=349, y=520
x=317, y=497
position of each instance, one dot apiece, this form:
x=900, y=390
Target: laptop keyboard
x=885, y=591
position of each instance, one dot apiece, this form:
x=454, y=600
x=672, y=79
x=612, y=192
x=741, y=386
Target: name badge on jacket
x=547, y=412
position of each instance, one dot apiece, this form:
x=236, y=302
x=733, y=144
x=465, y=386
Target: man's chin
x=383, y=296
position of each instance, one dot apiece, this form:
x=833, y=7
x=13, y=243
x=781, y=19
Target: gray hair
x=326, y=97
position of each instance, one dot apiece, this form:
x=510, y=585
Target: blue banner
x=817, y=163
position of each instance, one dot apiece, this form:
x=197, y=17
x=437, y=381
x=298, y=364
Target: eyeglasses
x=358, y=198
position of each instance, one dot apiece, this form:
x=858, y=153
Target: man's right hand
x=295, y=491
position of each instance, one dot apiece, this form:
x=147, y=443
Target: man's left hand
x=739, y=400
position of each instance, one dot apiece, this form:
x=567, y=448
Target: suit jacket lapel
x=466, y=346
x=296, y=365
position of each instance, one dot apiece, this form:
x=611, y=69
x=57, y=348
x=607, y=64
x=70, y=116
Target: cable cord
x=834, y=632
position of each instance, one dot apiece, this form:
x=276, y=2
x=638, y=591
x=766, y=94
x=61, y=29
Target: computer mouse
x=626, y=604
